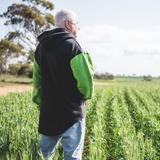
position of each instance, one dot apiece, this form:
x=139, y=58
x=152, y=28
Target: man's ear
x=67, y=24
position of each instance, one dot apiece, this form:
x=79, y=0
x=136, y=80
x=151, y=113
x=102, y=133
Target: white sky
x=122, y=36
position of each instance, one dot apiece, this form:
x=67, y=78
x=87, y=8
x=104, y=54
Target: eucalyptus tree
x=8, y=50
x=27, y=21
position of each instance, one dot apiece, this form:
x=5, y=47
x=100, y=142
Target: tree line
x=105, y=76
x=19, y=69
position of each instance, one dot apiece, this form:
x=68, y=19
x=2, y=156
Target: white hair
x=61, y=17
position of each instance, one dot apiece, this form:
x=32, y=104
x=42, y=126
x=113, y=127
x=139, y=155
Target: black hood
x=50, y=39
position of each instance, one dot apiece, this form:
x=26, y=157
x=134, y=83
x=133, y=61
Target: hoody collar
x=50, y=39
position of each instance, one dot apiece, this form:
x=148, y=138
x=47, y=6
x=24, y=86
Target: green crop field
x=122, y=123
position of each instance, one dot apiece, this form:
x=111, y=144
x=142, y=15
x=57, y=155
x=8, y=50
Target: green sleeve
x=36, y=84
x=83, y=72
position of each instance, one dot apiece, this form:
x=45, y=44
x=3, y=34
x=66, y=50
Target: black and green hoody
x=62, y=79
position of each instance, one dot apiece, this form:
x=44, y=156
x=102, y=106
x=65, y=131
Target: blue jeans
x=72, y=142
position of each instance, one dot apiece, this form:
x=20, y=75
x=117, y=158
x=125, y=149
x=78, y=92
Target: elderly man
x=63, y=81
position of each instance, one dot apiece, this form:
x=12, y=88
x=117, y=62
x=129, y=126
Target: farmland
x=122, y=123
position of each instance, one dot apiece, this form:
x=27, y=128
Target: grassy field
x=133, y=79
x=122, y=123
x=6, y=80
x=117, y=79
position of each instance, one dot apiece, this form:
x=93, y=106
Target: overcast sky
x=122, y=36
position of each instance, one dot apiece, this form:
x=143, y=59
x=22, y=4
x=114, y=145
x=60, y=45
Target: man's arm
x=36, y=84
x=83, y=72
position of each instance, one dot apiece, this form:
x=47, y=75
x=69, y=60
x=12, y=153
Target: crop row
x=131, y=124
x=19, y=137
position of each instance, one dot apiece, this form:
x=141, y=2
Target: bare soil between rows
x=8, y=89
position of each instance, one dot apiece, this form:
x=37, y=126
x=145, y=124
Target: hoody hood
x=50, y=39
